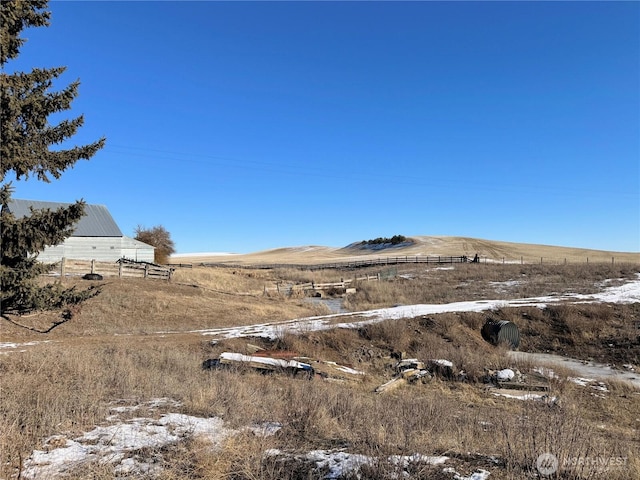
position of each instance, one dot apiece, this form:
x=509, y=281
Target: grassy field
x=487, y=250
x=138, y=341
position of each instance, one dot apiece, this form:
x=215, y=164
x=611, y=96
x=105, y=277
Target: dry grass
x=421, y=284
x=489, y=250
x=67, y=386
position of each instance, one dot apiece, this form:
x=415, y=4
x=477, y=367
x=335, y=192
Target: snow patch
x=117, y=444
x=341, y=463
x=479, y=474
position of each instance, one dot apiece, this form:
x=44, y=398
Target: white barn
x=96, y=236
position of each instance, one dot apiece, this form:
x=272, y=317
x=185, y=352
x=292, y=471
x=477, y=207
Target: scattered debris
x=441, y=368
x=260, y=363
x=512, y=383
x=412, y=370
x=390, y=385
x=505, y=375
x=515, y=380
x=283, y=361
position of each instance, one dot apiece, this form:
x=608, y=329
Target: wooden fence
x=348, y=264
x=434, y=260
x=290, y=288
x=121, y=269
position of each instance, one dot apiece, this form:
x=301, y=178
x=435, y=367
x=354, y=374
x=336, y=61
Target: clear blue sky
x=243, y=126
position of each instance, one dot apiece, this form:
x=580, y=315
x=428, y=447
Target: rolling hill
x=488, y=250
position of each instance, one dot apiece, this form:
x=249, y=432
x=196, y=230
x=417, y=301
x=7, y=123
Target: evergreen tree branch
x=26, y=148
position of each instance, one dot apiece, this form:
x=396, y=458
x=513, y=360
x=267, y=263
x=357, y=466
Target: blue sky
x=243, y=126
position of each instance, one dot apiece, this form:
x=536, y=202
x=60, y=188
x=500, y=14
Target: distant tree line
x=395, y=240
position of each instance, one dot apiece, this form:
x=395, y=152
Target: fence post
x=62, y=268
x=120, y=269
x=93, y=266
x=146, y=270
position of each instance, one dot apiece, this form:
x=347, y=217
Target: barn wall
x=101, y=249
x=135, y=250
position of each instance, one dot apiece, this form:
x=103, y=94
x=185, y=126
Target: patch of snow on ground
x=600, y=386
x=306, y=248
x=547, y=372
x=583, y=382
x=505, y=286
x=479, y=474
x=117, y=444
x=526, y=396
x=589, y=382
x=627, y=293
x=12, y=346
x=265, y=429
x=340, y=463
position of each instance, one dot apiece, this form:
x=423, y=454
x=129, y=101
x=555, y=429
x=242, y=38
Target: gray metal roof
x=96, y=222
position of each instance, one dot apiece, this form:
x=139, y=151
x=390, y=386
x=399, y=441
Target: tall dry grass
x=68, y=386
x=67, y=391
x=422, y=284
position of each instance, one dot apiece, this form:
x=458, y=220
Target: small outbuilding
x=96, y=236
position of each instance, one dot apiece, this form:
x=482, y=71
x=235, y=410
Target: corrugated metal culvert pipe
x=501, y=331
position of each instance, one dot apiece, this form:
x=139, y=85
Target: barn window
x=93, y=248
